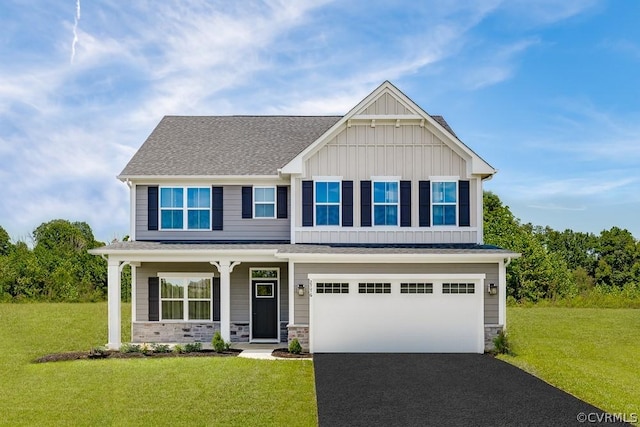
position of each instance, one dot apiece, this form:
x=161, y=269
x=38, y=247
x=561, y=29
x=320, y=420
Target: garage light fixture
x=492, y=289
x=301, y=289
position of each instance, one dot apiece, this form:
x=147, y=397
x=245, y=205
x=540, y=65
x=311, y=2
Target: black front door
x=264, y=321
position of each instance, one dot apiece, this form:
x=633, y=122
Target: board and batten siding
x=387, y=104
x=491, y=270
x=234, y=226
x=410, y=152
x=240, y=290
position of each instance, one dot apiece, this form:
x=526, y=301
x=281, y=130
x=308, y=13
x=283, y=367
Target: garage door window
x=416, y=288
x=332, y=288
x=374, y=288
x=458, y=288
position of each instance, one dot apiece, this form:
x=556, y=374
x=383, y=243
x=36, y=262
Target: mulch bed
x=284, y=353
x=112, y=354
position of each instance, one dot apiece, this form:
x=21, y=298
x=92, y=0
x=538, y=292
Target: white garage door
x=397, y=313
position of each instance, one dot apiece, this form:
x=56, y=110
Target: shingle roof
x=301, y=248
x=225, y=145
x=442, y=122
x=228, y=145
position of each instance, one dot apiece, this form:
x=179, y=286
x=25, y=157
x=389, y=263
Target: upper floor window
x=327, y=195
x=444, y=196
x=185, y=208
x=385, y=203
x=264, y=202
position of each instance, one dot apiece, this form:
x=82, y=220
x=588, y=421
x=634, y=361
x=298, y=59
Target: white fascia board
x=200, y=179
x=196, y=255
x=314, y=258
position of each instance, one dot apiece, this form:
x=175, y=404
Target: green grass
x=592, y=353
x=170, y=391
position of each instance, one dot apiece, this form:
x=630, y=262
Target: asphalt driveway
x=439, y=390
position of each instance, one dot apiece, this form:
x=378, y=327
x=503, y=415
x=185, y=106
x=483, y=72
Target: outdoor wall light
x=301, y=289
x=492, y=289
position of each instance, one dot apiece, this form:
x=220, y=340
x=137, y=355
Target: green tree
x=72, y=273
x=536, y=274
x=21, y=276
x=618, y=258
x=579, y=250
x=5, y=242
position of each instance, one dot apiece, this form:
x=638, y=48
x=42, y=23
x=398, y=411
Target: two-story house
x=354, y=233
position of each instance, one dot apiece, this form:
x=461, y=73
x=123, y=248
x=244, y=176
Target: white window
x=458, y=288
x=444, y=201
x=385, y=202
x=374, y=288
x=416, y=288
x=264, y=202
x=185, y=208
x=185, y=298
x=327, y=201
x=332, y=288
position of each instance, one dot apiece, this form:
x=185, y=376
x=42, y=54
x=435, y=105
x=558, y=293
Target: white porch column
x=113, y=297
x=225, y=268
x=292, y=294
x=502, y=294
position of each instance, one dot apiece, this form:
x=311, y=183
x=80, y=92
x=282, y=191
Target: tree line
x=562, y=264
x=554, y=264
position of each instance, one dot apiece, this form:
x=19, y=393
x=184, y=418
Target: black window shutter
x=154, y=299
x=217, y=207
x=282, y=202
x=307, y=203
x=424, y=202
x=405, y=203
x=365, y=203
x=464, y=206
x=152, y=208
x=216, y=299
x=247, y=202
x=347, y=203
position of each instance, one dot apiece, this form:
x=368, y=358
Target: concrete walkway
x=261, y=351
x=256, y=351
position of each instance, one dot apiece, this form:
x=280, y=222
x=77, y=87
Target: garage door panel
x=396, y=322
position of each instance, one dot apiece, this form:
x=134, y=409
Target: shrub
x=192, y=347
x=178, y=349
x=160, y=348
x=501, y=343
x=295, y=347
x=130, y=348
x=219, y=345
x=98, y=353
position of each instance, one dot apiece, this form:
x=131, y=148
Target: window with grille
x=332, y=288
x=374, y=288
x=458, y=288
x=416, y=288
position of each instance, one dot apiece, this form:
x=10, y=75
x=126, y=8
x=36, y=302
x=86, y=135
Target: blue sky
x=547, y=91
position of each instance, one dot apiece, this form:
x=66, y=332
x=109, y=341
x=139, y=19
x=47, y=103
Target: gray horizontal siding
x=235, y=227
x=240, y=292
x=303, y=270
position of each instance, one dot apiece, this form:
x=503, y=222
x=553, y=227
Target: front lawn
x=171, y=391
x=592, y=353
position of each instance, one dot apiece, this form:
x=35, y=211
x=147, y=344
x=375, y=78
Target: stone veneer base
x=490, y=332
x=173, y=332
x=301, y=332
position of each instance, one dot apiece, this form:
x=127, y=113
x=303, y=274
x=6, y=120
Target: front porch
x=187, y=296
